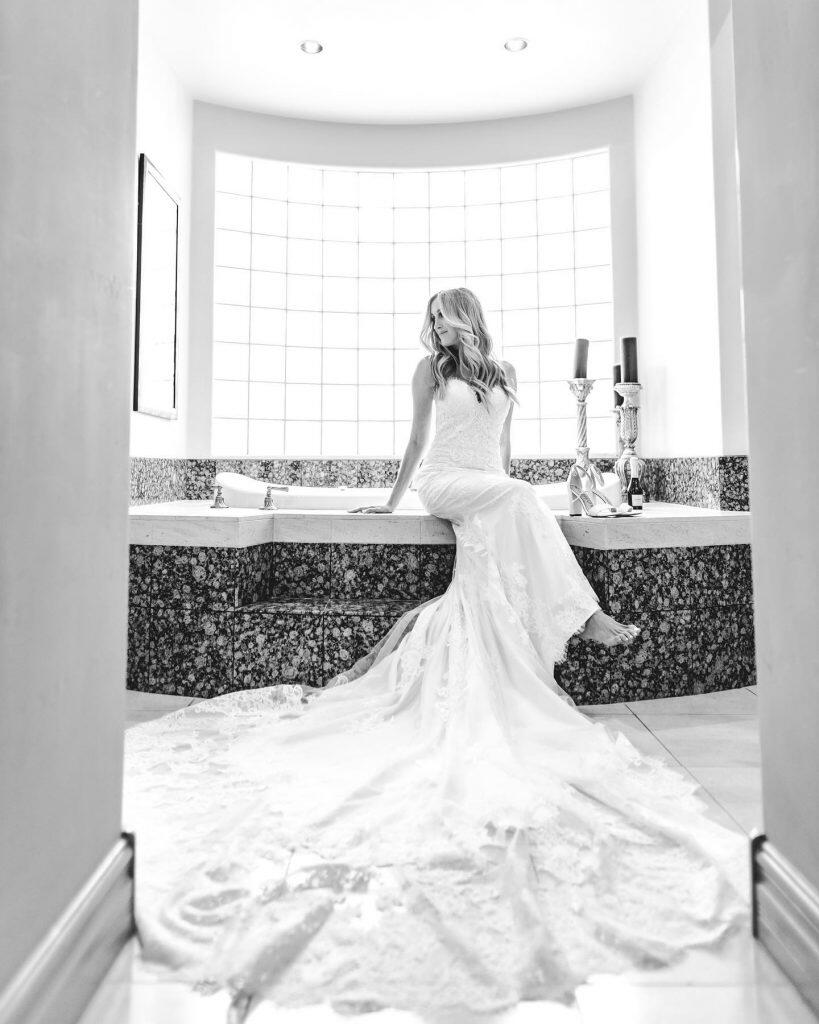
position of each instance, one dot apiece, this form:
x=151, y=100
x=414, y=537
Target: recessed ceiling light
x=516, y=44
x=311, y=46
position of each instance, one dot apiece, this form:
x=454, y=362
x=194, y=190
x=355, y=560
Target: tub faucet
x=268, y=498
x=218, y=500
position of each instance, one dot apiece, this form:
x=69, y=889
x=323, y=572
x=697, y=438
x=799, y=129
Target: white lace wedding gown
x=440, y=829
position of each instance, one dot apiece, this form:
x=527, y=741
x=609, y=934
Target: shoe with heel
x=590, y=501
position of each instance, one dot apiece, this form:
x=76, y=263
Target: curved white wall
x=351, y=145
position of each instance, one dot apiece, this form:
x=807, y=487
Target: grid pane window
x=322, y=276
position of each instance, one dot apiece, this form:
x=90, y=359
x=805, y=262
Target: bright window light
x=322, y=276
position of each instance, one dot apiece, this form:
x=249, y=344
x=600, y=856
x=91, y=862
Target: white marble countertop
x=195, y=524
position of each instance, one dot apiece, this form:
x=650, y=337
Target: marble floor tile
x=714, y=809
x=739, y=960
x=138, y=700
x=144, y=707
x=167, y=1003
x=720, y=702
x=696, y=740
x=526, y=1013
x=636, y=733
x=137, y=717
x=738, y=789
x=604, y=709
x=617, y=1003
x=733, y=983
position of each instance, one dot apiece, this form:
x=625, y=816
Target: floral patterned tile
x=540, y=471
x=139, y=647
x=595, y=568
x=733, y=483
x=436, y=568
x=316, y=473
x=254, y=566
x=682, y=652
x=278, y=642
x=377, y=472
x=329, y=472
x=374, y=571
x=669, y=578
x=191, y=650
x=198, y=479
x=204, y=575
x=282, y=471
x=300, y=570
x=353, y=628
x=689, y=481
x=141, y=560
x=155, y=480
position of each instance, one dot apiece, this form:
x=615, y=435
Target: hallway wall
x=777, y=98
x=68, y=215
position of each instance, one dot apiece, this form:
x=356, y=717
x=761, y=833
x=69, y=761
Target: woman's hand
x=371, y=508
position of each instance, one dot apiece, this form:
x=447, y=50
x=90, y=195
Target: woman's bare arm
x=505, y=440
x=422, y=383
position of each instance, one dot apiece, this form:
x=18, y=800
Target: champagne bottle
x=634, y=494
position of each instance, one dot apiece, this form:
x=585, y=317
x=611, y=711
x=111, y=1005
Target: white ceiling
x=413, y=61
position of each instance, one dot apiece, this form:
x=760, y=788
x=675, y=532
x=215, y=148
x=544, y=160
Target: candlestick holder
x=583, y=475
x=629, y=429
x=618, y=440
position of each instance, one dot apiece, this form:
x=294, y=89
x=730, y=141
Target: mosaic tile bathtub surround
x=713, y=482
x=694, y=607
x=307, y=640
x=205, y=621
x=719, y=482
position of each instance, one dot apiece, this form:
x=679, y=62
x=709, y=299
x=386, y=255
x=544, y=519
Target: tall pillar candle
x=618, y=376
x=581, y=358
x=628, y=355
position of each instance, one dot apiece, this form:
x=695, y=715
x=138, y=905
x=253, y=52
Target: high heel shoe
x=591, y=502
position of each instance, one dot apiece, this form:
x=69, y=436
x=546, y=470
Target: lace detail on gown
x=439, y=829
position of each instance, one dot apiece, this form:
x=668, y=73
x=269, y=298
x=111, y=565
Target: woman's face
x=446, y=334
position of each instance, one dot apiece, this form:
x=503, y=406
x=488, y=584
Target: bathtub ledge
x=195, y=524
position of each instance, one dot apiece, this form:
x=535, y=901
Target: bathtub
x=240, y=491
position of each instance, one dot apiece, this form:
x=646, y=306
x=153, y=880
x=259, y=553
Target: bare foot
x=605, y=630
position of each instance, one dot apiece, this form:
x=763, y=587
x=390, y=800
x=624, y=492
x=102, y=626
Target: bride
x=438, y=829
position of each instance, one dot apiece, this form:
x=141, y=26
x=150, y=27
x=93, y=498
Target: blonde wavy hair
x=472, y=360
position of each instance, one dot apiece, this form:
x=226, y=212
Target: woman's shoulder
x=423, y=378
x=510, y=370
x=424, y=368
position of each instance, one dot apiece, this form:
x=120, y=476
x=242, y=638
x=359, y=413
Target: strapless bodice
x=467, y=432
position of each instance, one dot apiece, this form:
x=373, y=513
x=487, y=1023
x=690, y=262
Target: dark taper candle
x=581, y=357
x=628, y=356
x=618, y=398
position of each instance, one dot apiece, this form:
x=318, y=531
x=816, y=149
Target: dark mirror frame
x=143, y=226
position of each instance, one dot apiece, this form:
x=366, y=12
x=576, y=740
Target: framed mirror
x=156, y=295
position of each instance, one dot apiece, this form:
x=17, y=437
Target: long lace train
x=441, y=829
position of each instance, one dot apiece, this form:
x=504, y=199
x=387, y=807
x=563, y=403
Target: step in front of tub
x=307, y=640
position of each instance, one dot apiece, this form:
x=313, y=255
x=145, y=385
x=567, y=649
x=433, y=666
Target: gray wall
x=67, y=209
x=777, y=100
x=377, y=145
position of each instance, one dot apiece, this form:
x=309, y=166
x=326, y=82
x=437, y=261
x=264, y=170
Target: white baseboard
x=57, y=981
x=786, y=917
